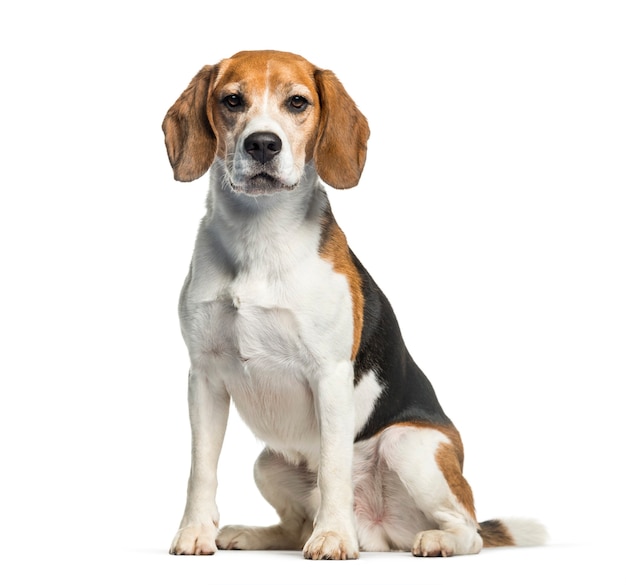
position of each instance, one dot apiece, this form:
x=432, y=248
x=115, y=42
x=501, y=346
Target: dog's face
x=266, y=115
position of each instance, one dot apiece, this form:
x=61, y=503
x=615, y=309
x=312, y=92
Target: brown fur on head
x=333, y=133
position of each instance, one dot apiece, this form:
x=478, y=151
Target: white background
x=491, y=212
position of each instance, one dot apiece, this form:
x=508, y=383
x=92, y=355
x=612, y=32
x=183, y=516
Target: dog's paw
x=434, y=543
x=446, y=543
x=198, y=539
x=331, y=545
x=235, y=537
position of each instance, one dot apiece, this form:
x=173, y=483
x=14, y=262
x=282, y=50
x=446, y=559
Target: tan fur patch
x=448, y=461
x=335, y=250
x=449, y=457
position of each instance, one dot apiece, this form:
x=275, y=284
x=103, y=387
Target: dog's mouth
x=261, y=184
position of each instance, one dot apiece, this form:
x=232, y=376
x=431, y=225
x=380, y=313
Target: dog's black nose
x=263, y=146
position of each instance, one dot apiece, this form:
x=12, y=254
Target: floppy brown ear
x=189, y=138
x=342, y=139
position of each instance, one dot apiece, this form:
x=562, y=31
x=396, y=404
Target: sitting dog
x=280, y=317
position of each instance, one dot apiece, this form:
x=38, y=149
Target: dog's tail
x=512, y=532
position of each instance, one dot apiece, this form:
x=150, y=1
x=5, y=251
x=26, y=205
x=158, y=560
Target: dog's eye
x=297, y=103
x=233, y=101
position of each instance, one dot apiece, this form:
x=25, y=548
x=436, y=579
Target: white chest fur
x=261, y=322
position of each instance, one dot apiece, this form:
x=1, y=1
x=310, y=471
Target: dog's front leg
x=208, y=414
x=334, y=535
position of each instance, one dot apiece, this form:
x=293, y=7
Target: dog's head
x=266, y=114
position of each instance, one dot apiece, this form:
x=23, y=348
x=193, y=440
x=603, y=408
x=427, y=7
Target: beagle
x=280, y=317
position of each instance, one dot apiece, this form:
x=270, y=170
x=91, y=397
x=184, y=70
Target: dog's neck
x=264, y=231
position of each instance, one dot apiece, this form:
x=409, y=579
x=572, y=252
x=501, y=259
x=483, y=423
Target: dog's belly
x=258, y=356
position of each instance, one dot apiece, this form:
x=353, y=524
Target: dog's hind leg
x=428, y=462
x=292, y=490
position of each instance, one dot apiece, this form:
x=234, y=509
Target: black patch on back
x=407, y=395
